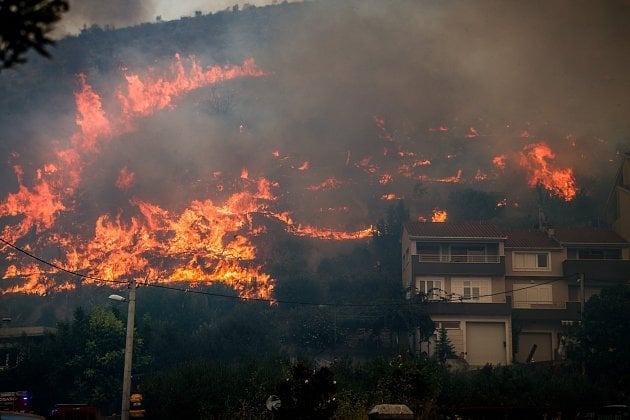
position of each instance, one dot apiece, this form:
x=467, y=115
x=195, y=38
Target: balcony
x=608, y=271
x=469, y=309
x=569, y=311
x=477, y=265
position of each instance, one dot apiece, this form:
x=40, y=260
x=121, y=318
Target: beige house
x=538, y=290
x=508, y=296
x=459, y=270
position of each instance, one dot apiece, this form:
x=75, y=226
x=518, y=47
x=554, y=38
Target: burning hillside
x=174, y=171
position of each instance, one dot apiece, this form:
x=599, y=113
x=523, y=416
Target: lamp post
x=131, y=310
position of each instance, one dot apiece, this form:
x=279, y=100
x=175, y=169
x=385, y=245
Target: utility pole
x=131, y=310
x=581, y=281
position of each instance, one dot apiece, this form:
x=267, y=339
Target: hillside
x=182, y=151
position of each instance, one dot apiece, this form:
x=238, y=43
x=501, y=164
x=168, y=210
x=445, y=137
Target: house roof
x=530, y=238
x=588, y=236
x=459, y=230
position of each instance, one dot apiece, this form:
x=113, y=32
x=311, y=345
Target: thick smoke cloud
x=359, y=88
x=517, y=72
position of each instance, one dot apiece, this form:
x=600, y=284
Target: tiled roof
x=588, y=236
x=477, y=230
x=530, y=238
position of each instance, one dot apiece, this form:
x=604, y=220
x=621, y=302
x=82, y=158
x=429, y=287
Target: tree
x=387, y=239
x=469, y=204
x=604, y=338
x=307, y=393
x=25, y=25
x=444, y=349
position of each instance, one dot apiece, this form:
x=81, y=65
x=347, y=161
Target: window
x=525, y=295
x=599, y=254
x=448, y=325
x=430, y=287
x=531, y=261
x=472, y=289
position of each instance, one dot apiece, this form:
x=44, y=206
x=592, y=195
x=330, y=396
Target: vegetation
x=236, y=355
x=25, y=25
x=444, y=349
x=341, y=325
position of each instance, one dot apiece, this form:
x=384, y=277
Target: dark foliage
x=444, y=349
x=602, y=341
x=25, y=25
x=469, y=204
x=307, y=393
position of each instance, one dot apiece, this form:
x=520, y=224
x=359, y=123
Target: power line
x=253, y=299
x=193, y=291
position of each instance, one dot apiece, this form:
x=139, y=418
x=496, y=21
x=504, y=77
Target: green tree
x=25, y=25
x=82, y=361
x=444, y=348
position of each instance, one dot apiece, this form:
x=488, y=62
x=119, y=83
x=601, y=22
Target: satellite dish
x=273, y=403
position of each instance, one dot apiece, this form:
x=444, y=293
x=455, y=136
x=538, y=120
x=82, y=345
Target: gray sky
x=122, y=13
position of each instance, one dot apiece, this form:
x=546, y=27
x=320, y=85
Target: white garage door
x=485, y=343
x=527, y=341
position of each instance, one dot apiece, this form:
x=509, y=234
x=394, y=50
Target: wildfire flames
x=204, y=243
x=536, y=159
x=210, y=238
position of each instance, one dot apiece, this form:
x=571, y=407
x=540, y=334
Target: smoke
x=109, y=14
x=362, y=102
x=511, y=73
x=516, y=72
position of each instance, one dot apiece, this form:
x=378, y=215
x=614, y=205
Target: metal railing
x=442, y=258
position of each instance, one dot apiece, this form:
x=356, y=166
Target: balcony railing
x=440, y=258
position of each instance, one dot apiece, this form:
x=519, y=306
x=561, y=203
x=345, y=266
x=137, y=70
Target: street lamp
x=131, y=310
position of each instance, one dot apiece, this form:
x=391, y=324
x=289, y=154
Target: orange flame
x=472, y=133
x=499, y=161
x=125, y=178
x=327, y=185
x=439, y=216
x=535, y=158
x=203, y=237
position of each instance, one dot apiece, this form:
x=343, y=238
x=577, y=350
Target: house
x=508, y=296
x=11, y=337
x=618, y=204
x=535, y=279
x=459, y=269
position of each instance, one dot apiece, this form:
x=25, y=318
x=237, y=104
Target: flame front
x=201, y=245
x=537, y=159
x=210, y=236
x=203, y=242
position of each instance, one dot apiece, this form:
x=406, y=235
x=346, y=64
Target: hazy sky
x=122, y=13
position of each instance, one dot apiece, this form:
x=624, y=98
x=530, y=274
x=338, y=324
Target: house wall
x=559, y=291
x=622, y=224
x=407, y=278
x=625, y=170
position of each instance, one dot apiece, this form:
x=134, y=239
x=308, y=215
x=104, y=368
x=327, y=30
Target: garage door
x=526, y=341
x=485, y=343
